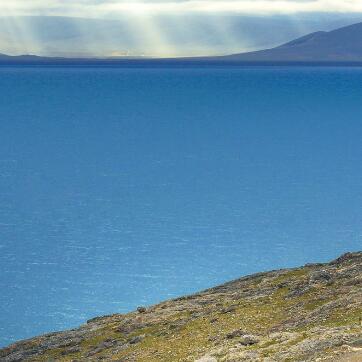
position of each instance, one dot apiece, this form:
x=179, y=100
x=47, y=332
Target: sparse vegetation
x=305, y=314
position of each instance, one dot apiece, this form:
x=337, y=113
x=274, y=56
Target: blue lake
x=124, y=187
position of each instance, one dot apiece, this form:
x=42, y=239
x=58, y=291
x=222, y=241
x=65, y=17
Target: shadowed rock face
x=312, y=313
x=343, y=44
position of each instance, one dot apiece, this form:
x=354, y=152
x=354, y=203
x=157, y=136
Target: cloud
x=111, y=8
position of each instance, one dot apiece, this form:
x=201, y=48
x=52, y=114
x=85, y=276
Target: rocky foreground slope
x=312, y=313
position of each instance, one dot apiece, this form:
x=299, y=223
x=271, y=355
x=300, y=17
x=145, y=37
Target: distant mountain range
x=343, y=45
x=9, y=57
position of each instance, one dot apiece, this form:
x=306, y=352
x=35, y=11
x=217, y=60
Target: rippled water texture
x=123, y=187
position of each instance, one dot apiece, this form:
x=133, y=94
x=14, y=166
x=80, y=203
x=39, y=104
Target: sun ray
x=160, y=28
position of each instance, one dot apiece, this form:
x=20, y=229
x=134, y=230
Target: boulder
x=320, y=276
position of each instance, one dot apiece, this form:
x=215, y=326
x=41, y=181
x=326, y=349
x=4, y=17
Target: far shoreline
x=167, y=63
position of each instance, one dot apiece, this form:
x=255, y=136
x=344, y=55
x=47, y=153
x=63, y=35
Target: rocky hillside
x=312, y=313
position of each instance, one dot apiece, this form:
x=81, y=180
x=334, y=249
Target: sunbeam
x=107, y=28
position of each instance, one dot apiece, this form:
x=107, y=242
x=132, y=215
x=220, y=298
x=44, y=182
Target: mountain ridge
x=343, y=44
x=302, y=39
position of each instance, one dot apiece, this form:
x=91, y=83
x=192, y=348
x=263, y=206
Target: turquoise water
x=123, y=187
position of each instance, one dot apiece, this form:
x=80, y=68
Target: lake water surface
x=124, y=187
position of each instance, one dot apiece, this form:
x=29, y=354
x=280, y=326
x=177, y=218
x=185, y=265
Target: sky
x=97, y=8
x=163, y=27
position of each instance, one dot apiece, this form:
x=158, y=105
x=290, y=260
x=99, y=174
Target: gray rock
x=298, y=290
x=228, y=309
x=320, y=276
x=356, y=343
x=102, y=346
x=136, y=339
x=248, y=340
x=236, y=333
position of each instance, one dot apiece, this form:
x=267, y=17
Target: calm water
x=123, y=187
